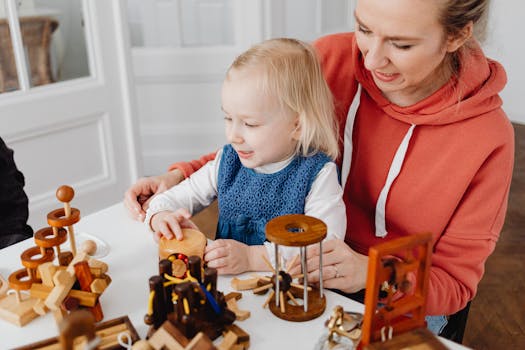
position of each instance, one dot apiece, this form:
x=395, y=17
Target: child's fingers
x=174, y=226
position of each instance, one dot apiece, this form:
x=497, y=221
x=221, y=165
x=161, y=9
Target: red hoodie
x=455, y=174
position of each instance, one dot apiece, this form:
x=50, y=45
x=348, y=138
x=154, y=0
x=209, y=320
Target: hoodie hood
x=473, y=93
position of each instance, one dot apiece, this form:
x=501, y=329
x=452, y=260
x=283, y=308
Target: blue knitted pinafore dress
x=248, y=200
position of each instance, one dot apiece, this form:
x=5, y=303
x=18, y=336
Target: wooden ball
x=65, y=194
x=89, y=247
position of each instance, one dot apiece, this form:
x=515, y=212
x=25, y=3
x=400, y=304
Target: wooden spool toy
x=65, y=217
x=388, y=266
x=295, y=231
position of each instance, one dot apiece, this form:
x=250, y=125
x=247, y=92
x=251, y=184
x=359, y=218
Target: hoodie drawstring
x=393, y=172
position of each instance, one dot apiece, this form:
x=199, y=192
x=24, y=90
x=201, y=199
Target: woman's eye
x=363, y=30
x=228, y=119
x=401, y=46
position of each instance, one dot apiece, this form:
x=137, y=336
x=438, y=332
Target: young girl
x=279, y=160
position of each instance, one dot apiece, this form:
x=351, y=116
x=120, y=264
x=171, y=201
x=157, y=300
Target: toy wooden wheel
x=28, y=254
x=296, y=313
x=57, y=218
x=46, y=239
x=16, y=282
x=295, y=230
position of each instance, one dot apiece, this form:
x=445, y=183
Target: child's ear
x=296, y=133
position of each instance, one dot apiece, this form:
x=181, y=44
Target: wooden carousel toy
x=294, y=230
x=46, y=286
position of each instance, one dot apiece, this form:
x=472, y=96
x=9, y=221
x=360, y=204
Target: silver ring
x=336, y=271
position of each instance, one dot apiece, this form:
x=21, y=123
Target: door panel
x=82, y=131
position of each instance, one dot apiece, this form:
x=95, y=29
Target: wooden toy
x=178, y=252
x=41, y=286
x=192, y=305
x=296, y=231
x=389, y=265
x=107, y=332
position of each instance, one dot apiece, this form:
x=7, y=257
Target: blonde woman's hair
x=292, y=73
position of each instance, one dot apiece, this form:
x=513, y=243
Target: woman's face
x=403, y=46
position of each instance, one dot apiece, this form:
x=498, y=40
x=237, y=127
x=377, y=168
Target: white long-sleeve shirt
x=324, y=201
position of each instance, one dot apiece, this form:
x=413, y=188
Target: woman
x=427, y=147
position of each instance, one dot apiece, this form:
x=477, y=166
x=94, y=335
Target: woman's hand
x=138, y=196
x=343, y=268
x=170, y=224
x=229, y=256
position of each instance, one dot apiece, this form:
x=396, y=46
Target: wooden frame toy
x=389, y=267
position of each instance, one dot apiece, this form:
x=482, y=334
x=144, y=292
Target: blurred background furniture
x=36, y=36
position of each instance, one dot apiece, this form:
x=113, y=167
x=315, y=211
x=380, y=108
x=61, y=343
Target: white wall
x=506, y=44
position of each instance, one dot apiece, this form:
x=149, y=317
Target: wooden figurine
x=388, y=267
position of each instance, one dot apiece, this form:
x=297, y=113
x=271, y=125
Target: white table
x=132, y=259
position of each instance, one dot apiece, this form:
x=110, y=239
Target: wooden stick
x=300, y=286
x=290, y=295
x=261, y=288
x=265, y=259
x=267, y=301
x=281, y=297
x=291, y=263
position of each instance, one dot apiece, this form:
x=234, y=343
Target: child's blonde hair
x=292, y=73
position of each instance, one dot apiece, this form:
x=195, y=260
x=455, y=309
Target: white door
x=181, y=50
x=81, y=131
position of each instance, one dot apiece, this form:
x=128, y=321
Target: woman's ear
x=454, y=43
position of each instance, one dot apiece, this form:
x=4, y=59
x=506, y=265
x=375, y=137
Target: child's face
x=258, y=128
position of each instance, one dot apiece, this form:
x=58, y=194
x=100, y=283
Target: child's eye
x=250, y=125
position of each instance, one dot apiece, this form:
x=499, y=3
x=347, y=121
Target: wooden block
x=100, y=267
x=70, y=304
x=239, y=284
x=63, y=283
x=47, y=271
x=65, y=258
x=80, y=256
x=40, y=307
x=234, y=295
x=108, y=332
x=230, y=339
x=18, y=313
x=242, y=336
x=240, y=315
x=98, y=285
x=41, y=291
x=162, y=338
x=85, y=279
x=200, y=342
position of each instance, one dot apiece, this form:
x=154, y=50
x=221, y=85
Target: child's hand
x=169, y=224
x=228, y=256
